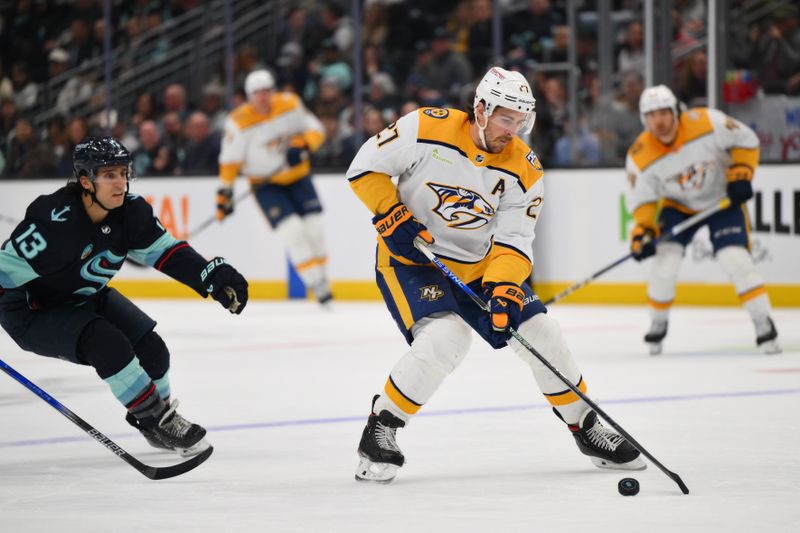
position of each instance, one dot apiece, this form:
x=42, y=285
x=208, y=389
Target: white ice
x=284, y=390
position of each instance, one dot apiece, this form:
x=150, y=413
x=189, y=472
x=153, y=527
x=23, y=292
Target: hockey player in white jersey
x=473, y=190
x=685, y=162
x=269, y=139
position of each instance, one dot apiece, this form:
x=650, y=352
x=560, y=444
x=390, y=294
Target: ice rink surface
x=285, y=388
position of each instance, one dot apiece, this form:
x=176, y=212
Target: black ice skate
x=767, y=337
x=171, y=431
x=606, y=448
x=655, y=337
x=380, y=455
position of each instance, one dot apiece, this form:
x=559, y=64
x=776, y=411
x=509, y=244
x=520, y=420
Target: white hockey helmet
x=655, y=98
x=504, y=88
x=258, y=80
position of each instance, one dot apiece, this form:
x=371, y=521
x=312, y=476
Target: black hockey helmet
x=95, y=152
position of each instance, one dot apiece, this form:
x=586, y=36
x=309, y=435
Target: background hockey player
x=54, y=298
x=473, y=190
x=269, y=139
x=689, y=161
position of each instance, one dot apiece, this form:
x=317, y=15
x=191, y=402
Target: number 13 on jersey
x=31, y=242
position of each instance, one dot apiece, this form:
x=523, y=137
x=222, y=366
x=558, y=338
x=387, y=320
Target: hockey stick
x=422, y=247
x=675, y=230
x=152, y=472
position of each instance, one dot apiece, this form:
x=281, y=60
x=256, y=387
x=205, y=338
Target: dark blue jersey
x=59, y=255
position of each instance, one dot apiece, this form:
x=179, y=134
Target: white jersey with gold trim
x=692, y=171
x=257, y=143
x=467, y=198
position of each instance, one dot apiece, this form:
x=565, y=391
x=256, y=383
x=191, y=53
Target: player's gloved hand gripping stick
x=422, y=247
x=675, y=230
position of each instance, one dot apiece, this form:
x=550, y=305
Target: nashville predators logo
x=465, y=209
x=431, y=293
x=692, y=177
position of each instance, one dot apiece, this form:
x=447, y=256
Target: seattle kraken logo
x=99, y=269
x=466, y=209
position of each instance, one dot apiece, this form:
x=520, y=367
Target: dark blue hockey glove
x=506, y=300
x=398, y=228
x=740, y=191
x=295, y=156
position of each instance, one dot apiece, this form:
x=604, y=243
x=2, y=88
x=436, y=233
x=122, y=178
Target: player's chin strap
x=481, y=129
x=93, y=195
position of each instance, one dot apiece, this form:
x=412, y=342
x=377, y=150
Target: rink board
x=583, y=227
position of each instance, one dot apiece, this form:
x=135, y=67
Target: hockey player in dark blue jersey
x=54, y=298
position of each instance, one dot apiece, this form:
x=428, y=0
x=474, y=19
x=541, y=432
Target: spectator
x=172, y=132
x=630, y=57
x=211, y=105
x=202, y=147
x=27, y=157
x=458, y=25
x=337, y=151
x=6, y=89
x=8, y=120
x=376, y=24
x=778, y=52
x=480, y=42
x=445, y=73
x=692, y=80
x=337, y=27
x=145, y=110
x=152, y=158
x=373, y=122
x=26, y=92
x=627, y=123
x=175, y=100
x=292, y=70
x=558, y=50
x=382, y=95
x=587, y=152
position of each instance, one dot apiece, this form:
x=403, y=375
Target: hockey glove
x=224, y=202
x=398, y=228
x=506, y=300
x=740, y=189
x=295, y=156
x=643, y=243
x=225, y=285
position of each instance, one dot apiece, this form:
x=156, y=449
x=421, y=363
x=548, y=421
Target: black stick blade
x=677, y=479
x=154, y=472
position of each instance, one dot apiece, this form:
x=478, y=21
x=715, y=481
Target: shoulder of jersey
x=439, y=123
x=54, y=209
x=525, y=163
x=696, y=123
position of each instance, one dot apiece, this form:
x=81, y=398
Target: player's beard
x=498, y=144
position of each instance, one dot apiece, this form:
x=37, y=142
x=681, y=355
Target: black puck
x=628, y=486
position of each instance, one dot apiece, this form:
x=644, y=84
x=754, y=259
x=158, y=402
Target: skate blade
x=655, y=348
x=770, y=348
x=369, y=471
x=636, y=464
x=201, y=446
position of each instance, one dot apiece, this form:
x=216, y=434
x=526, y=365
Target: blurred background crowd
x=169, y=70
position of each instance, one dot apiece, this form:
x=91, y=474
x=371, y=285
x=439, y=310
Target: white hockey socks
x=662, y=279
x=440, y=343
x=302, y=250
x=749, y=284
x=544, y=334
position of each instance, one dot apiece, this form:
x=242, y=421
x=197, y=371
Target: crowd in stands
x=414, y=53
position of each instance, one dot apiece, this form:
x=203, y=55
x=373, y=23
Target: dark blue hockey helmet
x=95, y=152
